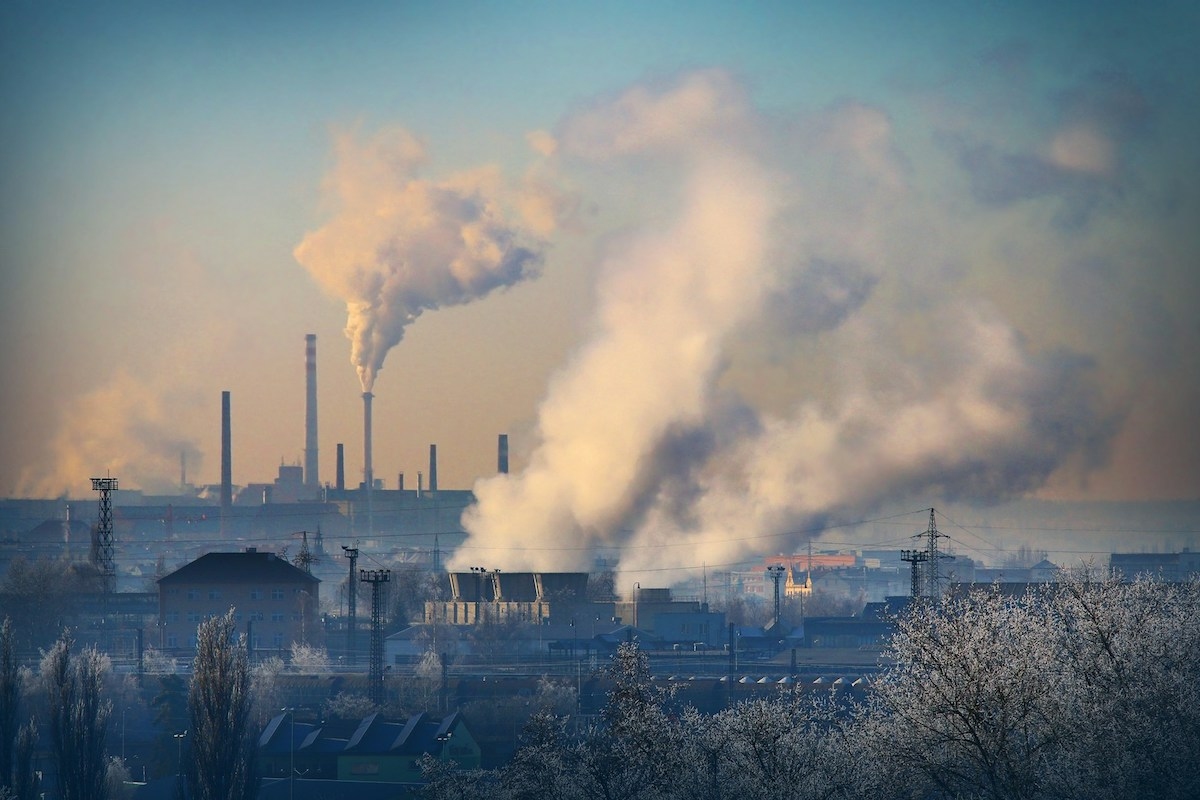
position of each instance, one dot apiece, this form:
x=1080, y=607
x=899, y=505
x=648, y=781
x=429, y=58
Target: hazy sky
x=704, y=262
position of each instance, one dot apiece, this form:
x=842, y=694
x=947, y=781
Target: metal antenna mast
x=776, y=573
x=377, y=578
x=351, y=600
x=102, y=539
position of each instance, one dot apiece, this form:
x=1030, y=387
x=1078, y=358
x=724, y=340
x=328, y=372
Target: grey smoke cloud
x=400, y=245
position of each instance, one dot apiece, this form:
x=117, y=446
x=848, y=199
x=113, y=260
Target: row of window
x=215, y=594
x=172, y=617
x=276, y=641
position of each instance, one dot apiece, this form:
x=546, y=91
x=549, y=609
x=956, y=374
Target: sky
x=712, y=266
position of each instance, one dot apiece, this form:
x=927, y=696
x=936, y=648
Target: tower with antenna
x=377, y=578
x=776, y=573
x=916, y=558
x=102, y=536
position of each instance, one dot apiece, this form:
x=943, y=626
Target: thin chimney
x=433, y=468
x=502, y=454
x=311, y=478
x=341, y=467
x=226, y=461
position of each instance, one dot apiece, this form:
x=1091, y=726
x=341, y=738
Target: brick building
x=274, y=602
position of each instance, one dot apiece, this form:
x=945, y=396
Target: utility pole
x=377, y=578
x=351, y=600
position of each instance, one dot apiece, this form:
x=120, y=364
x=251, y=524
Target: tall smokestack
x=368, y=473
x=226, y=461
x=311, y=477
x=368, y=478
x=502, y=454
x=433, y=467
x=341, y=467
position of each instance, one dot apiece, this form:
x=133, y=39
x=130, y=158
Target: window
x=277, y=616
x=256, y=594
x=257, y=616
x=277, y=639
x=193, y=616
x=277, y=594
x=172, y=617
x=193, y=594
x=172, y=641
x=214, y=594
x=192, y=640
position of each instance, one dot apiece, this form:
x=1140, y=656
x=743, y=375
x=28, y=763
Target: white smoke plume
x=401, y=245
x=647, y=441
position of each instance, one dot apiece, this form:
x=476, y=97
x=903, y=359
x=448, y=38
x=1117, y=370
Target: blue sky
x=1023, y=174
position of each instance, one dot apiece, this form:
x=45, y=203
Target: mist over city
x=553, y=344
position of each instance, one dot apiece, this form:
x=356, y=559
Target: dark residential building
x=274, y=602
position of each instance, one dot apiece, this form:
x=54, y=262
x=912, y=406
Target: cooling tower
x=311, y=477
x=502, y=454
x=433, y=467
x=226, y=460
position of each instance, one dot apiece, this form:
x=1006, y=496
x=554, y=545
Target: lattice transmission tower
x=102, y=536
x=377, y=578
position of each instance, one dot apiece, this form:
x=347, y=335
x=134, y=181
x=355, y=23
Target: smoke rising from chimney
x=401, y=245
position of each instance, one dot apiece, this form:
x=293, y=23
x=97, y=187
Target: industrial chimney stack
x=311, y=478
x=368, y=472
x=502, y=454
x=340, y=477
x=226, y=461
x=433, y=468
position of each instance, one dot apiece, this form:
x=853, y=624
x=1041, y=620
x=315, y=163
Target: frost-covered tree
x=10, y=698
x=1130, y=680
x=1083, y=689
x=78, y=719
x=221, y=766
x=309, y=660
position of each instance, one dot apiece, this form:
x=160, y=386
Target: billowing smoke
x=651, y=440
x=401, y=245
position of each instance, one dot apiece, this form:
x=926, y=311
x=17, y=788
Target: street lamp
x=637, y=589
x=179, y=737
x=444, y=738
x=291, y=753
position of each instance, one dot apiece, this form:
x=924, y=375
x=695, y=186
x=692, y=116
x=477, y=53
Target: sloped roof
x=240, y=567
